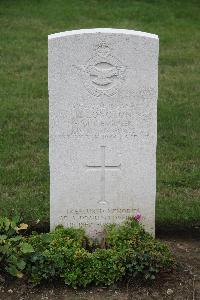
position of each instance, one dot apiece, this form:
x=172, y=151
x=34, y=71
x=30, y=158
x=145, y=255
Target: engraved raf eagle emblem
x=103, y=73
x=103, y=76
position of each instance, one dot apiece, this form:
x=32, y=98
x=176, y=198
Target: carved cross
x=103, y=167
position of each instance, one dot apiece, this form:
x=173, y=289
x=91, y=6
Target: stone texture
x=102, y=117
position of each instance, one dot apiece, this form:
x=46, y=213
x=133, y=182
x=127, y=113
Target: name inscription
x=106, y=120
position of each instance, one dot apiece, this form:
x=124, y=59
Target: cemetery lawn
x=24, y=171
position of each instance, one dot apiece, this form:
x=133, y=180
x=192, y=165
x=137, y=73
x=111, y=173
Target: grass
x=24, y=174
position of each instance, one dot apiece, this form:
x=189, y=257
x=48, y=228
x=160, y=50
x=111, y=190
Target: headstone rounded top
x=102, y=30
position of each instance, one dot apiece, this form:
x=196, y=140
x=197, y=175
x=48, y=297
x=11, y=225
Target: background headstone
x=103, y=119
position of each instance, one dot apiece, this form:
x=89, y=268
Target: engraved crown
x=103, y=50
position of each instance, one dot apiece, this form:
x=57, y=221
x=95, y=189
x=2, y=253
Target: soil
x=182, y=284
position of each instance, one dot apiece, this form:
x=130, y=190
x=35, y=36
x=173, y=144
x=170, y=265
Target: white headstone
x=103, y=106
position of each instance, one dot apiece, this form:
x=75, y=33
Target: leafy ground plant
x=68, y=254
x=14, y=248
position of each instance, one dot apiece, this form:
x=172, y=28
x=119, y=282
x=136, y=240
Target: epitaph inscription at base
x=102, y=127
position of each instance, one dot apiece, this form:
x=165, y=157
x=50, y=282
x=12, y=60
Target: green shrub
x=59, y=254
x=126, y=251
x=141, y=253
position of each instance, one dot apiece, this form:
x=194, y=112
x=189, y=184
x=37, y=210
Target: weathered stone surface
x=102, y=110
